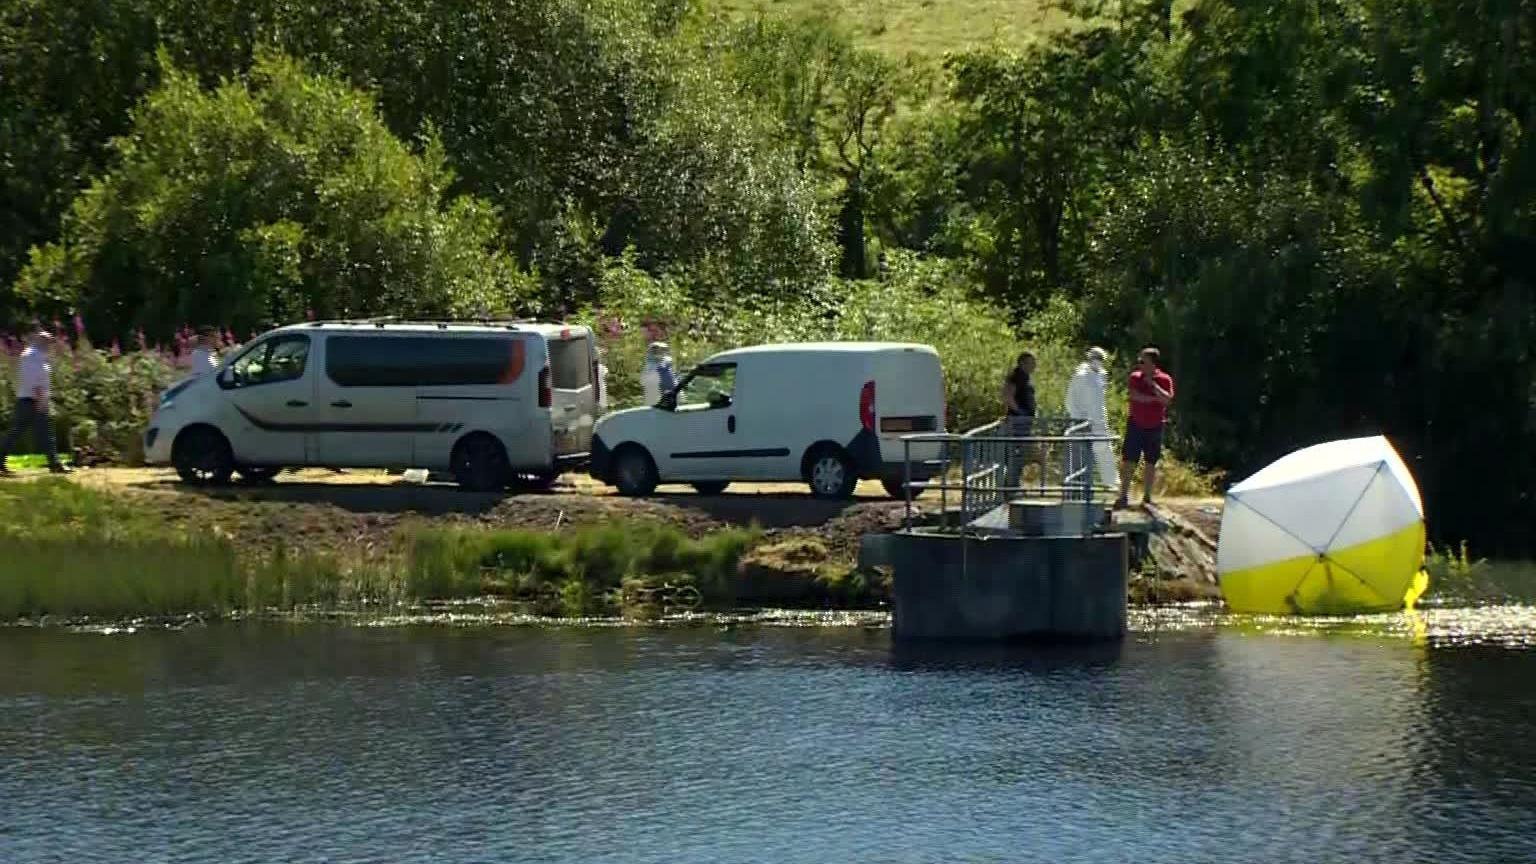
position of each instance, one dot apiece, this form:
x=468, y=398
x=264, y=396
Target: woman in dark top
x=1019, y=398
x=1019, y=395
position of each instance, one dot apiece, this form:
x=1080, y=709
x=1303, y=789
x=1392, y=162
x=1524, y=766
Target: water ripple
x=1202, y=737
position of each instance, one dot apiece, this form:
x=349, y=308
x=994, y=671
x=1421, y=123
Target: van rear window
x=423, y=361
x=570, y=364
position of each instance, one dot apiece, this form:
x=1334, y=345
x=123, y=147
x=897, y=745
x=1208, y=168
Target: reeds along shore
x=73, y=552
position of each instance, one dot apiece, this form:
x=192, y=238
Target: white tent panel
x=1250, y=540
x=1386, y=508
x=1319, y=460
x=1312, y=509
x=1404, y=479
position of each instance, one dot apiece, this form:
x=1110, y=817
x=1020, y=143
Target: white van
x=826, y=413
x=489, y=403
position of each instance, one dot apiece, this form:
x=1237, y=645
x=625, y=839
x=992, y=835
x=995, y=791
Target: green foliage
x=100, y=401
x=1457, y=577
x=263, y=201
x=921, y=300
x=581, y=571
x=1321, y=211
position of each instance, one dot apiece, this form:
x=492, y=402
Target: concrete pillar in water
x=1007, y=587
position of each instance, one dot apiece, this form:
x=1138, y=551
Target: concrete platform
x=952, y=587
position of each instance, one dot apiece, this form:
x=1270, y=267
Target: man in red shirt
x=1151, y=390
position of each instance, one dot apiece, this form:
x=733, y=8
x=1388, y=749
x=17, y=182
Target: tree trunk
x=850, y=232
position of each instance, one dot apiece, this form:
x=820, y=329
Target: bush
x=102, y=400
x=265, y=199
x=920, y=300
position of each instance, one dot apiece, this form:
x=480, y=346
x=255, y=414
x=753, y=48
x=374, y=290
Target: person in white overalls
x=1085, y=402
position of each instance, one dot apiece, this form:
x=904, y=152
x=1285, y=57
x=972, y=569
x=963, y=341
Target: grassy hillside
x=921, y=26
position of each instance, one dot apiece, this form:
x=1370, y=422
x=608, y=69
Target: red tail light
x=867, y=406
x=546, y=392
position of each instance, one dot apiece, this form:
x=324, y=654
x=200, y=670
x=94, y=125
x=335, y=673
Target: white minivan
x=490, y=403
x=826, y=413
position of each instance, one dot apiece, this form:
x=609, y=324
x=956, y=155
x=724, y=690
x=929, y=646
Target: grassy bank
x=73, y=552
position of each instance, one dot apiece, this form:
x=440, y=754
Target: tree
x=264, y=200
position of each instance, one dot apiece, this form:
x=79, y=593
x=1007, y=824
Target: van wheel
x=830, y=474
x=201, y=455
x=634, y=472
x=251, y=474
x=896, y=487
x=711, y=487
x=479, y=464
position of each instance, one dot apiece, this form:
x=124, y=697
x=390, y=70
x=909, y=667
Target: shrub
x=101, y=399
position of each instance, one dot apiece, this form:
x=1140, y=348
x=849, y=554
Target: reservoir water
x=1196, y=739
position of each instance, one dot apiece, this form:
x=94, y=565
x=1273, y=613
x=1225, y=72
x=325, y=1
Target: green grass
x=73, y=552
x=577, y=572
x=928, y=27
x=31, y=461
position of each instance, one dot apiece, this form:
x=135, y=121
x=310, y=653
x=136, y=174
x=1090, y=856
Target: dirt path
x=330, y=510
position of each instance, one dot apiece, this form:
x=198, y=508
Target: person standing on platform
x=1151, y=392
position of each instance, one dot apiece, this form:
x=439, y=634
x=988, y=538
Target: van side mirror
x=668, y=401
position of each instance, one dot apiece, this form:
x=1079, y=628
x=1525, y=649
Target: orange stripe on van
x=514, y=368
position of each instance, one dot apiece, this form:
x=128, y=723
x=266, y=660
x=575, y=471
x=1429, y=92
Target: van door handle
x=295, y=403
x=730, y=424
x=341, y=403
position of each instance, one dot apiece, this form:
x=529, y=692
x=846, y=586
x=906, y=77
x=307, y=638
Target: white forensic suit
x=1085, y=401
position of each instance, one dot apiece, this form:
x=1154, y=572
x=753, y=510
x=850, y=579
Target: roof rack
x=381, y=320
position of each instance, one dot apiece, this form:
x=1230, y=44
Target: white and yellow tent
x=1333, y=529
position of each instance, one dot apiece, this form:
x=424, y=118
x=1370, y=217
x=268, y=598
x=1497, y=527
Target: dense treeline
x=1321, y=210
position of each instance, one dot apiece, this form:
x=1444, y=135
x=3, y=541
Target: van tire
x=830, y=473
x=479, y=463
x=711, y=487
x=202, y=456
x=634, y=471
x=896, y=487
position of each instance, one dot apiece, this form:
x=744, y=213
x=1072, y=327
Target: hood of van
x=619, y=419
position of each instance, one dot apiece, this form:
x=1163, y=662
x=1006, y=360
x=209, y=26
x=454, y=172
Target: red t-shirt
x=1150, y=415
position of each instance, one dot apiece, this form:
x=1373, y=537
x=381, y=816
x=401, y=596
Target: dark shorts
x=1142, y=444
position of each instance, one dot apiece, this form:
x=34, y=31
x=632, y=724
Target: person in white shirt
x=205, y=358
x=657, y=377
x=33, y=404
x=1085, y=401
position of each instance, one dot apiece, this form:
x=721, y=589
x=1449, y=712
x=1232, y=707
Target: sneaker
x=1121, y=504
x=57, y=468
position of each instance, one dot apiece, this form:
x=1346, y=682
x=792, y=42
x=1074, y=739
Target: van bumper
x=599, y=460
x=157, y=445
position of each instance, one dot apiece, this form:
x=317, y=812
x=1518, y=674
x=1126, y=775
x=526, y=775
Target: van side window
x=281, y=358
x=423, y=361
x=570, y=363
x=709, y=386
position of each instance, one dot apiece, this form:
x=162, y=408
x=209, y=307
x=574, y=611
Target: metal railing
x=1041, y=458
